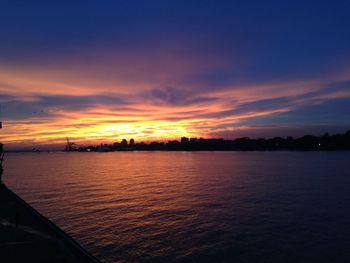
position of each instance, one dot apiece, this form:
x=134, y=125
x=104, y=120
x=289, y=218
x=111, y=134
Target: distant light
x=319, y=144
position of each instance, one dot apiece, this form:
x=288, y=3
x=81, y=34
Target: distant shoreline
x=180, y=150
x=326, y=142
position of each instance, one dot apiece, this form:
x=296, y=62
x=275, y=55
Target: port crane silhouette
x=70, y=146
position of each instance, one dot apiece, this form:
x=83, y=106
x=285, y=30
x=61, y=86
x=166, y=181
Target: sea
x=193, y=206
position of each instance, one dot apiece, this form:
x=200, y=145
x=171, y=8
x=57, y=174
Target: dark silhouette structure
x=1, y=157
x=325, y=142
x=124, y=142
x=70, y=146
x=1, y=161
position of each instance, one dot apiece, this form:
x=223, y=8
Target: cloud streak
x=166, y=70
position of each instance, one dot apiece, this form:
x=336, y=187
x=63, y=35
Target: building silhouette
x=184, y=140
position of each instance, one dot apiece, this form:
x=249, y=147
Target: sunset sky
x=100, y=71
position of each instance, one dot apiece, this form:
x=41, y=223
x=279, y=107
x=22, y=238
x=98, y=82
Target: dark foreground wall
x=27, y=236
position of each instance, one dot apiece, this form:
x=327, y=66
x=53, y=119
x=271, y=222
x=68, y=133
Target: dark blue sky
x=219, y=66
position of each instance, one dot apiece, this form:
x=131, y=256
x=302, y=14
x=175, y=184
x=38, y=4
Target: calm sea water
x=194, y=206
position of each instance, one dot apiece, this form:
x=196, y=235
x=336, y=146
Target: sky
x=100, y=71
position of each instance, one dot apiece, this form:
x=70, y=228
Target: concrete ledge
x=28, y=236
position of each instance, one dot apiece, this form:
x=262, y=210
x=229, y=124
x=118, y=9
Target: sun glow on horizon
x=171, y=72
x=94, y=132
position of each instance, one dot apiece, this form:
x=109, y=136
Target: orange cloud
x=90, y=105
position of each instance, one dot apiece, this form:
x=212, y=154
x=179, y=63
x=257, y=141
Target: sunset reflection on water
x=192, y=206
